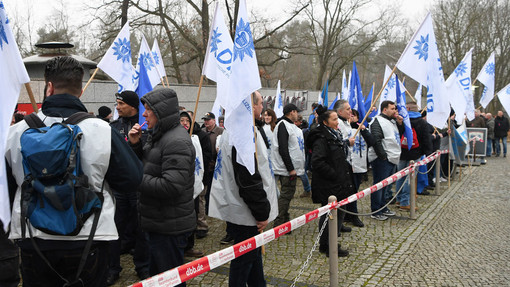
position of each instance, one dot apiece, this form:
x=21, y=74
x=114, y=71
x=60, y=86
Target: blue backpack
x=55, y=196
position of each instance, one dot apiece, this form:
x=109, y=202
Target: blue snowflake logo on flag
x=397, y=137
x=280, y=104
x=391, y=82
x=155, y=57
x=217, y=168
x=3, y=36
x=301, y=143
x=215, y=40
x=490, y=69
x=359, y=146
x=146, y=60
x=508, y=91
x=198, y=167
x=243, y=42
x=122, y=49
x=422, y=47
x=461, y=69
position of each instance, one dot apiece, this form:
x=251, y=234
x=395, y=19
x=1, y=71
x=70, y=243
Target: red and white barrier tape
x=200, y=266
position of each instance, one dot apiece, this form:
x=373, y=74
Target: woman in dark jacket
x=331, y=173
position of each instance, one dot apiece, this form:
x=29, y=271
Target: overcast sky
x=414, y=10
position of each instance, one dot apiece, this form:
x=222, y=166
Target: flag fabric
x=402, y=111
x=218, y=57
x=420, y=60
x=217, y=110
x=278, y=105
x=458, y=86
x=487, y=78
x=356, y=100
x=245, y=77
x=504, y=97
x=458, y=143
x=348, y=85
x=116, y=63
x=417, y=96
x=144, y=86
x=244, y=80
x=332, y=105
x=323, y=96
x=12, y=76
x=368, y=103
x=470, y=106
x=389, y=92
x=345, y=87
x=145, y=59
x=158, y=59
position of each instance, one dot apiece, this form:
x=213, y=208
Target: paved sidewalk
x=458, y=239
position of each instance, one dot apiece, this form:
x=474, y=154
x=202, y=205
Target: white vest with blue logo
x=199, y=167
x=391, y=140
x=296, y=150
x=225, y=202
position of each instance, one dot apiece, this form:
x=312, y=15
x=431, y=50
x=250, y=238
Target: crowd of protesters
x=159, y=182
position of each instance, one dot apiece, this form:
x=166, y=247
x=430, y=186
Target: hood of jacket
x=165, y=105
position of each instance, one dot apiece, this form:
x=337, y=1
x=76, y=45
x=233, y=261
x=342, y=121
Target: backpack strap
x=34, y=121
x=76, y=118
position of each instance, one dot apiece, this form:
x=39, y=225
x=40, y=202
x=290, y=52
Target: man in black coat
x=501, y=127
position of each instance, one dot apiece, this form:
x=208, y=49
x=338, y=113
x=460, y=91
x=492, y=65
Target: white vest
x=296, y=150
x=269, y=134
x=391, y=140
x=95, y=158
x=345, y=129
x=199, y=167
x=225, y=202
x=359, y=153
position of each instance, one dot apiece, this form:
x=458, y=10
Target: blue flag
x=144, y=86
x=402, y=111
x=323, y=97
x=356, y=100
x=368, y=102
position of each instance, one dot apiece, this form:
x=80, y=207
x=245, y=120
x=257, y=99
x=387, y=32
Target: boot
x=356, y=221
x=341, y=252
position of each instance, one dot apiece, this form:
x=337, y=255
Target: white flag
x=348, y=94
x=389, y=92
x=245, y=78
x=218, y=58
x=458, y=86
x=504, y=97
x=12, y=76
x=417, y=96
x=486, y=77
x=145, y=57
x=158, y=59
x=117, y=61
x=320, y=100
x=278, y=105
x=217, y=111
x=345, y=87
x=420, y=60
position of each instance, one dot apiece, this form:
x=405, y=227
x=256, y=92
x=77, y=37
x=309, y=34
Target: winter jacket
x=166, y=193
x=421, y=127
x=331, y=173
x=490, y=128
x=501, y=127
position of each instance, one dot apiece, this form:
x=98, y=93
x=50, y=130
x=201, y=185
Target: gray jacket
x=166, y=192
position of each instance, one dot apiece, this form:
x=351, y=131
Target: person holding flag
x=412, y=147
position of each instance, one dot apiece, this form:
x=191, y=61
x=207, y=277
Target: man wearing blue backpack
x=63, y=211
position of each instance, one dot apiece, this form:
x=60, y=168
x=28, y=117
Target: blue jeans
x=404, y=195
x=381, y=169
x=126, y=214
x=166, y=252
x=35, y=272
x=498, y=147
x=488, y=152
x=246, y=269
x=306, y=182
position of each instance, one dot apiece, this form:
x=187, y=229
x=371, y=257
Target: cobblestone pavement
x=458, y=239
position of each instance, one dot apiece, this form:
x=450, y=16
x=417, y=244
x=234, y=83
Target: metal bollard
x=437, y=190
x=333, y=244
x=412, y=199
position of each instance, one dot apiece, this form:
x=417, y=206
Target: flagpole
x=449, y=172
x=407, y=92
x=90, y=80
x=372, y=99
x=375, y=100
x=166, y=78
x=32, y=98
x=196, y=105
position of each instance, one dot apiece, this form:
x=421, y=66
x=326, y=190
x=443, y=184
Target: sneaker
x=389, y=213
x=408, y=207
x=442, y=179
x=227, y=239
x=379, y=217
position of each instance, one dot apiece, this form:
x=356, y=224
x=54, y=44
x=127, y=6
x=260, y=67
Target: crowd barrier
x=200, y=266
